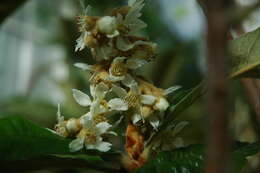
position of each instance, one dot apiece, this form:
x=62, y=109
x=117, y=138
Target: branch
x=218, y=24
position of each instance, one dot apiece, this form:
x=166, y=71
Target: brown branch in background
x=218, y=24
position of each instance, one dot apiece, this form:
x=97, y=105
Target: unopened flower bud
x=107, y=25
x=73, y=125
x=162, y=104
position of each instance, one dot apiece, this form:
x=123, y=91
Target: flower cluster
x=118, y=52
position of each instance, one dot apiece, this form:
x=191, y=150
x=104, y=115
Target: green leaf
x=187, y=100
x=22, y=143
x=191, y=159
x=246, y=55
x=21, y=139
x=178, y=95
x=61, y=162
x=246, y=149
x=184, y=100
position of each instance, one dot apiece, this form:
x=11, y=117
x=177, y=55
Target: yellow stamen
x=118, y=69
x=100, y=118
x=89, y=135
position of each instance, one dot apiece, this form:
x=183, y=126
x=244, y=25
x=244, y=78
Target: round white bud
x=107, y=25
x=72, y=125
x=162, y=104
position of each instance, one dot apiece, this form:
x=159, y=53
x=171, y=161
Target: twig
x=218, y=24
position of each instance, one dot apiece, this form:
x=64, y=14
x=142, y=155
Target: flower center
x=99, y=77
x=118, y=69
x=100, y=118
x=91, y=137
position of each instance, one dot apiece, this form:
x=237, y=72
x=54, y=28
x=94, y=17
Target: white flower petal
x=90, y=146
x=94, y=108
x=80, y=43
x=131, y=19
x=103, y=146
x=102, y=127
x=114, y=34
x=120, y=92
x=100, y=91
x=171, y=89
x=135, y=63
x=147, y=43
x=136, y=118
x=84, y=66
x=76, y=144
x=111, y=133
x=117, y=104
x=115, y=78
x=123, y=44
x=118, y=60
x=130, y=82
x=92, y=90
x=162, y=104
x=148, y=99
x=87, y=120
x=154, y=121
x=81, y=98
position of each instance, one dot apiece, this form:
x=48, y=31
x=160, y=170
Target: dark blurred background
x=37, y=42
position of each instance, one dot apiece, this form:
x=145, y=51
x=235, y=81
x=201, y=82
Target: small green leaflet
x=21, y=139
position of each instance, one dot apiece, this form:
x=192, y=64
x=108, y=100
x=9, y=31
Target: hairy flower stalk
x=118, y=52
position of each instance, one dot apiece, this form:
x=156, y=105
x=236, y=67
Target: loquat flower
x=90, y=136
